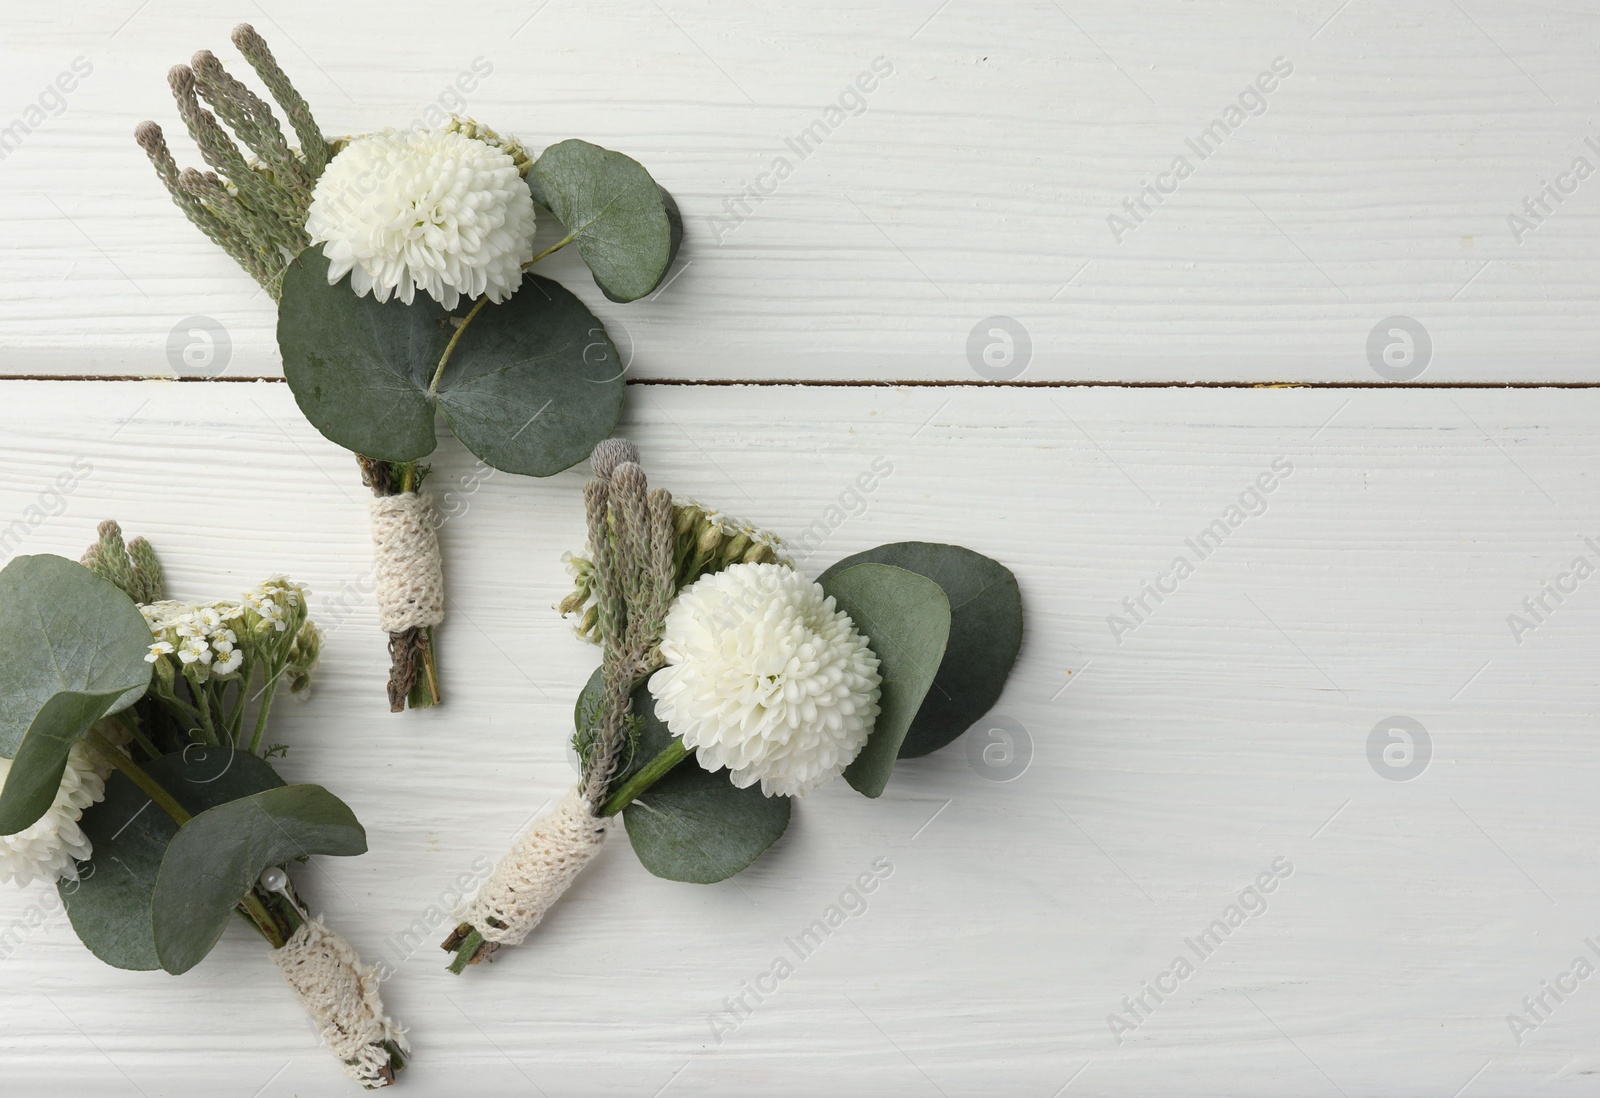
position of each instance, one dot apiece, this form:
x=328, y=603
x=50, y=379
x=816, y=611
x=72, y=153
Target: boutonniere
x=399, y=262
x=134, y=755
x=731, y=685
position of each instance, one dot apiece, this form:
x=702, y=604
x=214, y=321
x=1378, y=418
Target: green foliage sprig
x=944, y=622
x=530, y=385
x=92, y=657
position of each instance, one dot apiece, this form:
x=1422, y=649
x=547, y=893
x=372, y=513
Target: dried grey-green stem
x=252, y=206
x=705, y=542
x=632, y=536
x=252, y=120
x=226, y=236
x=132, y=567
x=313, y=146
x=633, y=541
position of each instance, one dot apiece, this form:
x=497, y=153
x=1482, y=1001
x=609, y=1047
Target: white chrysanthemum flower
x=429, y=210
x=46, y=849
x=766, y=677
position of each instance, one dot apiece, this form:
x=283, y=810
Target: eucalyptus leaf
x=218, y=855
x=692, y=825
x=625, y=225
x=906, y=619
x=675, y=222
x=985, y=635
x=531, y=386
x=109, y=903
x=72, y=650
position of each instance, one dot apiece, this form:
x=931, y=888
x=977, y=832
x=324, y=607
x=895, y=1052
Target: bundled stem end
x=341, y=996
x=397, y=1060
x=413, y=675
x=469, y=946
x=410, y=579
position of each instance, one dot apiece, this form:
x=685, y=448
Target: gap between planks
x=912, y=383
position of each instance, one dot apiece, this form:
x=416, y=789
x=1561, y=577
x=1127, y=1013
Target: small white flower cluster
x=731, y=527
x=209, y=639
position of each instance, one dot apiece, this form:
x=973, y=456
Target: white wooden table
x=1178, y=747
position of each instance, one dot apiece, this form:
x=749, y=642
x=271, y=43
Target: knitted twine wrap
x=536, y=871
x=410, y=575
x=341, y=996
x=631, y=536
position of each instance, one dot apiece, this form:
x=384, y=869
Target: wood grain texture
x=1227, y=730
x=978, y=180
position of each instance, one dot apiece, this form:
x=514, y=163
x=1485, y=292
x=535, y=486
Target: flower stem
x=266, y=704
x=556, y=247
x=413, y=672
x=236, y=715
x=273, y=914
x=256, y=912
x=652, y=772
x=450, y=348
x=171, y=700
x=466, y=947
x=136, y=774
x=425, y=691
x=130, y=721
x=208, y=730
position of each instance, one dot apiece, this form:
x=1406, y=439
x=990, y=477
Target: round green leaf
x=72, y=650
x=217, y=857
x=906, y=619
x=675, y=221
x=626, y=227
x=534, y=384
x=692, y=825
x=530, y=388
x=109, y=903
x=360, y=369
x=985, y=635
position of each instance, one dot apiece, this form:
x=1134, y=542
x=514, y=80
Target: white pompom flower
x=766, y=677
x=46, y=849
x=431, y=210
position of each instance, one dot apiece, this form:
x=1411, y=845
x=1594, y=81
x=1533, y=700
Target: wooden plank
x=1376, y=179
x=1171, y=764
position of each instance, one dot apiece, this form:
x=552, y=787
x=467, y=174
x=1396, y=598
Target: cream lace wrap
x=341, y=996
x=536, y=871
x=410, y=576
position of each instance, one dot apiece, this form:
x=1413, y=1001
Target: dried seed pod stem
x=253, y=207
x=313, y=146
